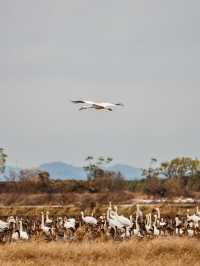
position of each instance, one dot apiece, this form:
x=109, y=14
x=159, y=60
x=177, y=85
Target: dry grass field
x=156, y=252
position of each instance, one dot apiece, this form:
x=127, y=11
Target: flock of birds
x=111, y=225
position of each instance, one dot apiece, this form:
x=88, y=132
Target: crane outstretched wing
x=84, y=101
x=79, y=101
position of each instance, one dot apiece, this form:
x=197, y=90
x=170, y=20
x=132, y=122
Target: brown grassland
x=163, y=251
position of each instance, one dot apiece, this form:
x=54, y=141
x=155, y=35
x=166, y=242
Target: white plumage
x=96, y=105
x=122, y=219
x=48, y=221
x=70, y=223
x=46, y=229
x=3, y=226
x=89, y=219
x=112, y=221
x=23, y=234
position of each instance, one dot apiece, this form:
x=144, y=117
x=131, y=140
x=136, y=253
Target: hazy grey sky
x=143, y=53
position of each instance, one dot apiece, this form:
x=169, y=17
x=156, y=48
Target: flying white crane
x=97, y=105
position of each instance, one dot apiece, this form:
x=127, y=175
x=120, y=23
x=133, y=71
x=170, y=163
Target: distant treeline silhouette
x=178, y=177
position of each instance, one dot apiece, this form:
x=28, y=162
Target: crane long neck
x=108, y=214
x=82, y=215
x=42, y=219
x=20, y=226
x=147, y=219
x=136, y=222
x=158, y=210
x=138, y=209
x=111, y=214
x=115, y=212
x=155, y=221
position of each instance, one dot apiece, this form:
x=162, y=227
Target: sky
x=143, y=53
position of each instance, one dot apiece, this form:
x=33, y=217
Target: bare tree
x=3, y=158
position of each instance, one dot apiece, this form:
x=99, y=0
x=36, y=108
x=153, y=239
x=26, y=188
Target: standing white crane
x=136, y=230
x=69, y=223
x=122, y=219
x=156, y=231
x=3, y=226
x=48, y=221
x=112, y=219
x=69, y=227
x=46, y=229
x=138, y=211
x=178, y=223
x=22, y=234
x=113, y=223
x=15, y=229
x=97, y=105
x=89, y=219
x=148, y=223
x=194, y=218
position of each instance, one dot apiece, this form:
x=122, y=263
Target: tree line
x=176, y=177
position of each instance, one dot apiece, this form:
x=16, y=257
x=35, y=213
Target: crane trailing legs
x=96, y=105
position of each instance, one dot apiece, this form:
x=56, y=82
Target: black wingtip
x=120, y=104
x=79, y=101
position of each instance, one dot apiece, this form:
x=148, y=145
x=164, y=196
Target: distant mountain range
x=61, y=170
x=129, y=172
x=10, y=172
